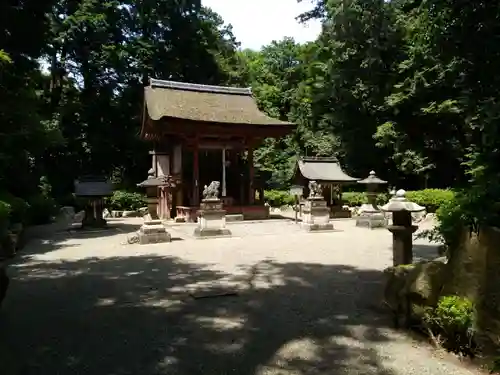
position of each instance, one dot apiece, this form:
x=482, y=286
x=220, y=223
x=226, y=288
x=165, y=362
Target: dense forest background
x=408, y=88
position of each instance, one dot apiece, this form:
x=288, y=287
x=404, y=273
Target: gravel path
x=88, y=304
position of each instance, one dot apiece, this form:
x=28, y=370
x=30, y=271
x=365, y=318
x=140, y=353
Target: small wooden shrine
x=327, y=172
x=201, y=134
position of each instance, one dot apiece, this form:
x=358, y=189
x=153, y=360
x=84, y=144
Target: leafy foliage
x=41, y=209
x=452, y=320
x=18, y=207
x=279, y=198
x=431, y=199
x=126, y=201
x=5, y=210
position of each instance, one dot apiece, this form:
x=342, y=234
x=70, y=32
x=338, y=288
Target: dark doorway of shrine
x=210, y=164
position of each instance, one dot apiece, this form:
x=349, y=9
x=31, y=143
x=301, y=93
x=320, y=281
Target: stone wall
x=475, y=273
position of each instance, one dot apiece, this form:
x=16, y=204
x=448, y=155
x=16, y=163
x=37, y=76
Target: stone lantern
x=370, y=215
x=151, y=184
x=402, y=228
x=296, y=191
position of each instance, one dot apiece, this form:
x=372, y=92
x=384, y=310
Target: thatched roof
x=323, y=169
x=194, y=102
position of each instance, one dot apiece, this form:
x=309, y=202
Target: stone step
x=234, y=217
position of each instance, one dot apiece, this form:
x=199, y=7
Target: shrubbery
x=18, y=207
x=39, y=209
x=451, y=321
x=279, y=198
x=5, y=210
x=356, y=199
x=122, y=200
x=431, y=199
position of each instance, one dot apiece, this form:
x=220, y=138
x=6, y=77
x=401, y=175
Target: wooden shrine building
x=202, y=134
x=328, y=172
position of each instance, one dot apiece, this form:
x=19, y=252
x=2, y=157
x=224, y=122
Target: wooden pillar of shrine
x=251, y=192
x=196, y=174
x=177, y=171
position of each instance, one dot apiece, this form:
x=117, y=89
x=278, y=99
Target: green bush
x=356, y=199
x=278, y=198
x=453, y=216
x=431, y=199
x=19, y=207
x=41, y=209
x=5, y=210
x=452, y=321
x=122, y=200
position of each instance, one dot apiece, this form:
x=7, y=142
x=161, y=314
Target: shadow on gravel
x=51, y=239
x=135, y=316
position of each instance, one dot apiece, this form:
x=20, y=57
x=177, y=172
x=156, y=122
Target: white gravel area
x=306, y=303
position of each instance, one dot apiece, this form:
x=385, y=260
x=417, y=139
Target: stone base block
x=211, y=232
x=153, y=231
x=371, y=221
x=159, y=237
x=317, y=227
x=234, y=217
x=340, y=214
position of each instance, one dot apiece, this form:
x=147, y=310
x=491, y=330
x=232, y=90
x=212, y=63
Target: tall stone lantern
x=296, y=191
x=370, y=214
x=152, y=185
x=402, y=227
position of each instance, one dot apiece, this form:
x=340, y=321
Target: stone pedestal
x=340, y=212
x=371, y=217
x=402, y=243
x=153, y=231
x=316, y=215
x=152, y=203
x=211, y=220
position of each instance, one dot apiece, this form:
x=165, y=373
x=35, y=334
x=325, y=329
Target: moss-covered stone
x=411, y=287
x=426, y=280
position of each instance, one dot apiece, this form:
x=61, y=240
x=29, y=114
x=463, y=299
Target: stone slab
x=153, y=222
x=318, y=227
x=234, y=217
x=372, y=221
x=149, y=238
x=150, y=229
x=212, y=213
x=211, y=232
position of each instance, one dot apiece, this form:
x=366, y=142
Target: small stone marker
x=153, y=231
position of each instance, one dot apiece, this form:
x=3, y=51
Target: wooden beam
x=196, y=174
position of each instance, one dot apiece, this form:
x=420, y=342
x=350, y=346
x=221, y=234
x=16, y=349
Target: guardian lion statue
x=315, y=190
x=211, y=191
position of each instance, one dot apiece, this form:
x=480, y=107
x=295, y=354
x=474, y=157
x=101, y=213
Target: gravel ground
x=306, y=304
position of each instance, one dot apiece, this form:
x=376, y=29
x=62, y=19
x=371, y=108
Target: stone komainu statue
x=211, y=191
x=315, y=190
